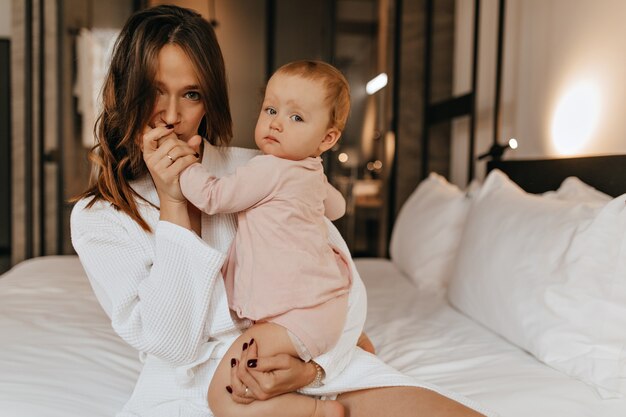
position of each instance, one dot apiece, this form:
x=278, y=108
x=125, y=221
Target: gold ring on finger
x=170, y=158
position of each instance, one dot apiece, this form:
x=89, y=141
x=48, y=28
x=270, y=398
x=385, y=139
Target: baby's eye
x=297, y=118
x=192, y=95
x=270, y=110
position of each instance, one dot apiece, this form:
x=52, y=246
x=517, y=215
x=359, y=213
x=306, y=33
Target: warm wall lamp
x=496, y=151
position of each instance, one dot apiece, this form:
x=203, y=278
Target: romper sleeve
x=335, y=360
x=334, y=203
x=155, y=288
x=249, y=185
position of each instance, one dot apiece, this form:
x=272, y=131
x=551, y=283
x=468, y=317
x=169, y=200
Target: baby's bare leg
x=272, y=339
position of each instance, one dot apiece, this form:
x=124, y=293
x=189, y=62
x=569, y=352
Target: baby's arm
x=334, y=203
x=245, y=188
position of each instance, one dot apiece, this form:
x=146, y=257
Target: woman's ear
x=332, y=136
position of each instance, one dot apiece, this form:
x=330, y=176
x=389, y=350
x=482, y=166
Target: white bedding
x=59, y=356
x=58, y=353
x=420, y=333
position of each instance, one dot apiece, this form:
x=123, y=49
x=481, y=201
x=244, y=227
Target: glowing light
x=343, y=157
x=376, y=83
x=513, y=143
x=575, y=118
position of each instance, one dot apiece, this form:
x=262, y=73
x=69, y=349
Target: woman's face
x=178, y=101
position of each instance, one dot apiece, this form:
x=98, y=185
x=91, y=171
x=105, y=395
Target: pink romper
x=280, y=267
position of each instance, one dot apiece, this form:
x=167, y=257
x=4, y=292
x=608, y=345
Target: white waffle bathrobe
x=165, y=296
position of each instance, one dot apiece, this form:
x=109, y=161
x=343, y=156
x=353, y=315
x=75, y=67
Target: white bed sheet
x=421, y=334
x=59, y=356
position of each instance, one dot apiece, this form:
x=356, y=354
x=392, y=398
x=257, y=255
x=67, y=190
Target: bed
x=453, y=312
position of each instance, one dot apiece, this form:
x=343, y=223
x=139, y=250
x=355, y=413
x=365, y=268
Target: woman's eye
x=160, y=92
x=192, y=95
x=270, y=110
x=297, y=118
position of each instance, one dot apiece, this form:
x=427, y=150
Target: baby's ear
x=332, y=136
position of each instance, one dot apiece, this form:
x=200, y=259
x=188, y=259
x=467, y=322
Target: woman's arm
x=166, y=157
x=268, y=376
x=155, y=288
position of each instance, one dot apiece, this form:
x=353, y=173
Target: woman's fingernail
x=245, y=346
x=169, y=126
x=251, y=341
x=229, y=389
x=233, y=362
x=252, y=363
x=197, y=155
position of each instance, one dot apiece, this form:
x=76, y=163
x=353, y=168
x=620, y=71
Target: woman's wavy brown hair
x=129, y=95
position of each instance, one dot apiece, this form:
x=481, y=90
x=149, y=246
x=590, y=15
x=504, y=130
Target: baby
x=281, y=269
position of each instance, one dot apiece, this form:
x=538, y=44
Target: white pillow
x=427, y=230
x=590, y=305
x=543, y=274
x=573, y=189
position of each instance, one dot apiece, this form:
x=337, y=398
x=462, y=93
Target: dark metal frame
x=34, y=142
x=5, y=82
x=60, y=179
x=464, y=105
x=395, y=111
x=270, y=37
x=499, y=57
x=41, y=128
x=28, y=131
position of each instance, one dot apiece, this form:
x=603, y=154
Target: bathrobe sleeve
x=335, y=360
x=156, y=288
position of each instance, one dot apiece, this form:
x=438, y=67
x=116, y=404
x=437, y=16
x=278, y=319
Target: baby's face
x=294, y=119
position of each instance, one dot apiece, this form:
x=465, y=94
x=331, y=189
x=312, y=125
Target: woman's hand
x=166, y=157
x=267, y=377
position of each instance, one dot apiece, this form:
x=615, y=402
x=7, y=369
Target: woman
x=157, y=280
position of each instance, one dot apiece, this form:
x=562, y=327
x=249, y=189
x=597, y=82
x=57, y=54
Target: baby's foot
x=328, y=409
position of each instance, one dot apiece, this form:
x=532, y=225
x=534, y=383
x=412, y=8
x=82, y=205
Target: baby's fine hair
x=336, y=85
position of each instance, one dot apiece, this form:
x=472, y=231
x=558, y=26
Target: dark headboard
x=605, y=173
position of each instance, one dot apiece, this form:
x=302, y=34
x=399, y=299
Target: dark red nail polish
x=197, y=155
x=233, y=362
x=252, y=363
x=169, y=126
x=245, y=346
x=229, y=389
x=251, y=341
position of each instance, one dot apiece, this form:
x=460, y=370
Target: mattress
x=59, y=356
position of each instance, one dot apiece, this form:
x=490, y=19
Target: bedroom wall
x=554, y=51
